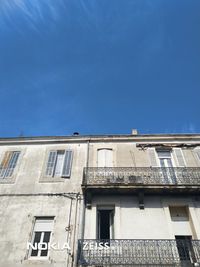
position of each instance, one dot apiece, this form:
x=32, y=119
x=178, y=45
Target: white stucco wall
x=154, y=222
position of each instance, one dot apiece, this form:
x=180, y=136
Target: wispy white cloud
x=33, y=12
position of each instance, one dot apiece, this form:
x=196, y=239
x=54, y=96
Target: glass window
x=41, y=236
x=59, y=163
x=9, y=163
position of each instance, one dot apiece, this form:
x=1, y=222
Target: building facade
x=100, y=200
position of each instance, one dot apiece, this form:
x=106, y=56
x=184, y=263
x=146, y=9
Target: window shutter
x=44, y=224
x=8, y=163
x=4, y=163
x=51, y=163
x=179, y=156
x=66, y=172
x=101, y=158
x=197, y=151
x=152, y=157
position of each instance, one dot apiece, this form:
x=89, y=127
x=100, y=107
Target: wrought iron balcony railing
x=139, y=252
x=141, y=175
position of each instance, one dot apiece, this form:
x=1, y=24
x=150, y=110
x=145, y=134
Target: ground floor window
x=41, y=236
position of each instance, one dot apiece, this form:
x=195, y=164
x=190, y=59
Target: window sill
x=51, y=180
x=38, y=261
x=7, y=180
x=38, y=258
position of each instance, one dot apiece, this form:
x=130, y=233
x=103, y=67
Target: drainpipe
x=68, y=229
x=74, y=254
x=83, y=211
x=83, y=206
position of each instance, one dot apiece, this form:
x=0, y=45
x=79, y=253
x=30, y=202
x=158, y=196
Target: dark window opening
x=185, y=249
x=36, y=241
x=46, y=240
x=105, y=224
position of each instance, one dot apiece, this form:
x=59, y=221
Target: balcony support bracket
x=141, y=200
x=88, y=200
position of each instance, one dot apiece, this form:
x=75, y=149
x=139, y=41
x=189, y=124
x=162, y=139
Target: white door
x=166, y=163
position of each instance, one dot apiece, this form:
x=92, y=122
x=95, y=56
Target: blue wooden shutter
x=179, y=157
x=67, y=164
x=51, y=163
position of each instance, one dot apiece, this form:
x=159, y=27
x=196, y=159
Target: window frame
x=36, y=258
x=170, y=157
x=11, y=179
x=110, y=208
x=44, y=178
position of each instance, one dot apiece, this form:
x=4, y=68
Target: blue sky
x=99, y=66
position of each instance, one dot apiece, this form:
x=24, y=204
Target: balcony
x=184, y=179
x=137, y=252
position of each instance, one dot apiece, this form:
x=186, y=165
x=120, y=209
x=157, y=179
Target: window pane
x=36, y=241
x=184, y=247
x=169, y=163
x=51, y=163
x=59, y=163
x=45, y=240
x=164, y=154
x=162, y=163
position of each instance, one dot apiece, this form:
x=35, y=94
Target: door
x=105, y=224
x=185, y=250
x=166, y=164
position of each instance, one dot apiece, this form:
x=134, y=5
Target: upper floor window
x=179, y=213
x=59, y=163
x=41, y=237
x=9, y=163
x=166, y=157
x=105, y=157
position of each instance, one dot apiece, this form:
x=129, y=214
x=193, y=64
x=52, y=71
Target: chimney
x=134, y=132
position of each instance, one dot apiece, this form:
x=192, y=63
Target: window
x=105, y=157
x=179, y=213
x=165, y=158
x=185, y=249
x=9, y=163
x=41, y=237
x=59, y=163
x=166, y=163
